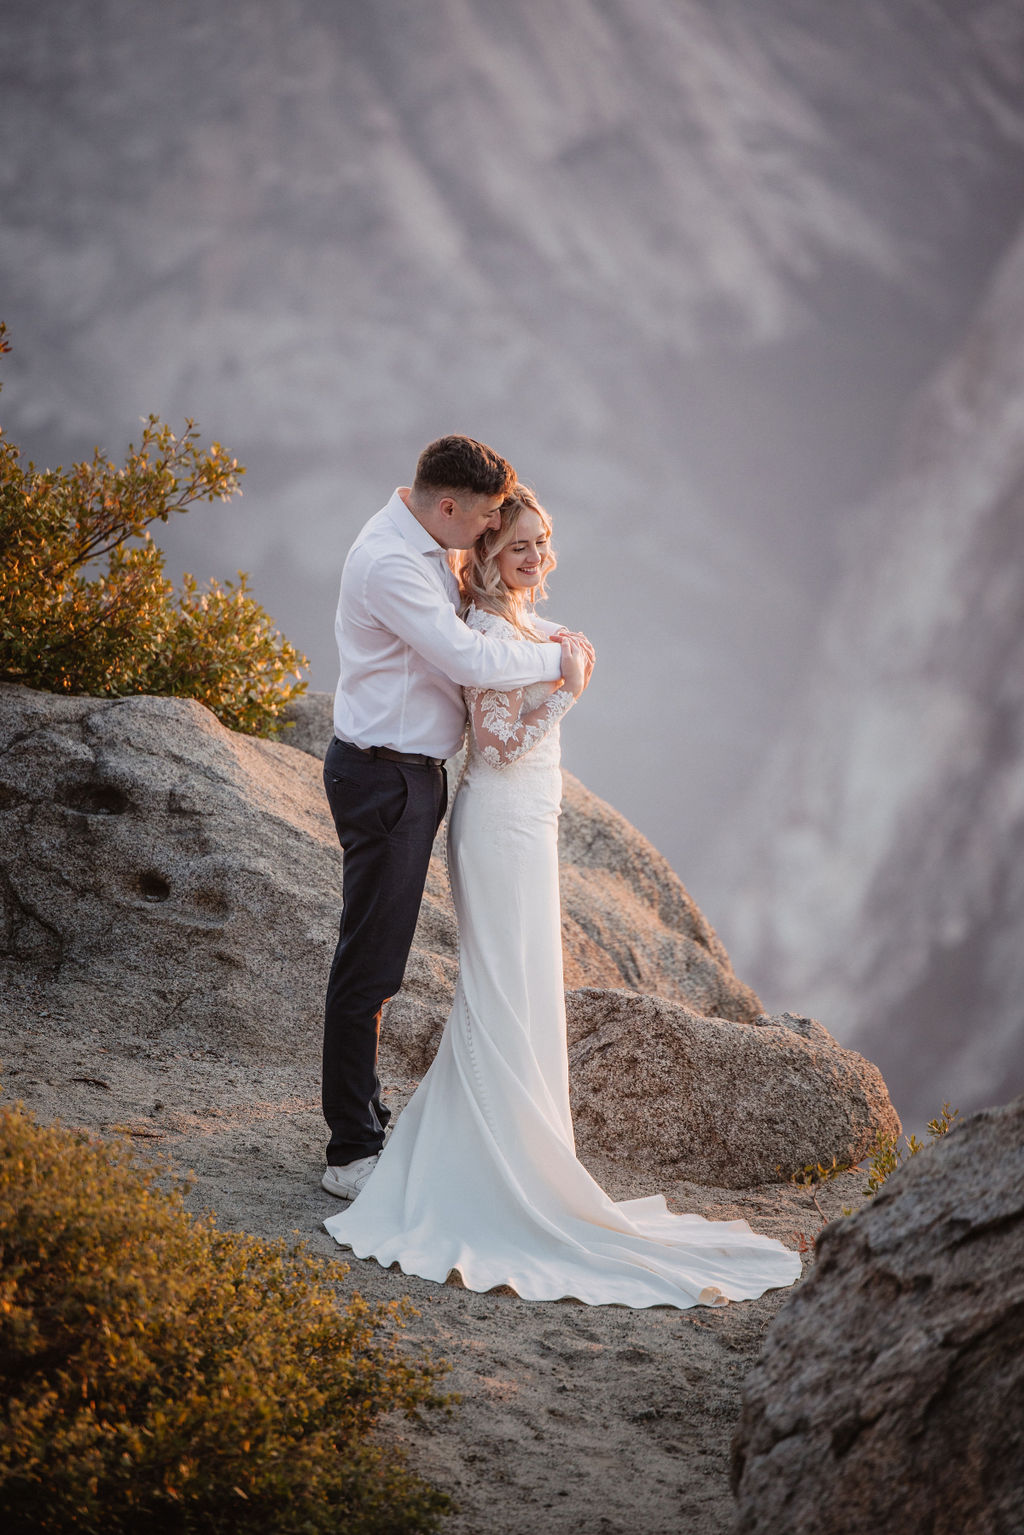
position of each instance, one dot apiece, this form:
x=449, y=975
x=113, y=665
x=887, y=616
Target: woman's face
x=520, y=562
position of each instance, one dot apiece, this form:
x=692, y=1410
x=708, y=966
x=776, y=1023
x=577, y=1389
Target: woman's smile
x=521, y=562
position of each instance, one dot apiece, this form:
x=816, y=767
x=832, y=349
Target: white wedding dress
x=480, y=1172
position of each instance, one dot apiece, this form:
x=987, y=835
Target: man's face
x=465, y=518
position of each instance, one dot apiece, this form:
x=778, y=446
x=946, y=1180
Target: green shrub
x=85, y=606
x=159, y=1374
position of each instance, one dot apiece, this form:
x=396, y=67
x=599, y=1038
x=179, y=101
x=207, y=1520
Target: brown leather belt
x=412, y=759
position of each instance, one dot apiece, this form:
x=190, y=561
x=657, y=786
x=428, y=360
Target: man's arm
x=406, y=601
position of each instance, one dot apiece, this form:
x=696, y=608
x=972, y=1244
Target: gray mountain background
x=738, y=285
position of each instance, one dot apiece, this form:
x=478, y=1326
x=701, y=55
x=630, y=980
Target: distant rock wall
x=392, y=157
x=878, y=876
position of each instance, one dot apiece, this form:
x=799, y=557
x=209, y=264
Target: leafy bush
x=85, y=606
x=159, y=1374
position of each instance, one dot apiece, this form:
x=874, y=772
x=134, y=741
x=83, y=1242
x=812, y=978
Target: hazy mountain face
x=882, y=873
x=683, y=262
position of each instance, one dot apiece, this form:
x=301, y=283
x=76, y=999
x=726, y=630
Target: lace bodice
x=508, y=727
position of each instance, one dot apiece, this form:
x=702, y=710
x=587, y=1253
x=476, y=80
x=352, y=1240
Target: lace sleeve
x=501, y=730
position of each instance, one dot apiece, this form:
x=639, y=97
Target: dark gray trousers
x=387, y=815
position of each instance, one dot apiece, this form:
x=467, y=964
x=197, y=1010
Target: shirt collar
x=411, y=530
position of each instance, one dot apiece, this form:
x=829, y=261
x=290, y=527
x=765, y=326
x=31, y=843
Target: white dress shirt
x=405, y=653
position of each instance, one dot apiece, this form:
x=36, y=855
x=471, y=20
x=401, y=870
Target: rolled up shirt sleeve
x=400, y=595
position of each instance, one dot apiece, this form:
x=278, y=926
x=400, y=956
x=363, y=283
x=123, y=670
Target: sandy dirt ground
x=573, y=1419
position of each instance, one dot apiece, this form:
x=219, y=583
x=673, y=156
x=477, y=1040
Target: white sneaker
x=345, y=1182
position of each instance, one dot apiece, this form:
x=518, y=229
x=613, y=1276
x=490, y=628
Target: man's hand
x=574, y=665
x=584, y=645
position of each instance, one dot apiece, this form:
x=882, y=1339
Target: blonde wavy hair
x=477, y=568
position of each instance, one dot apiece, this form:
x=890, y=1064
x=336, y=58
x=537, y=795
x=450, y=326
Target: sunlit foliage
x=85, y=605
x=159, y=1375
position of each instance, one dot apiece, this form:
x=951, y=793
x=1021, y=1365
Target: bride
x=480, y=1174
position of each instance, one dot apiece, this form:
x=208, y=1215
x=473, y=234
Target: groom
x=405, y=657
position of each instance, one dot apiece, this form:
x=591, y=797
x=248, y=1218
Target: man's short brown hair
x=461, y=463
